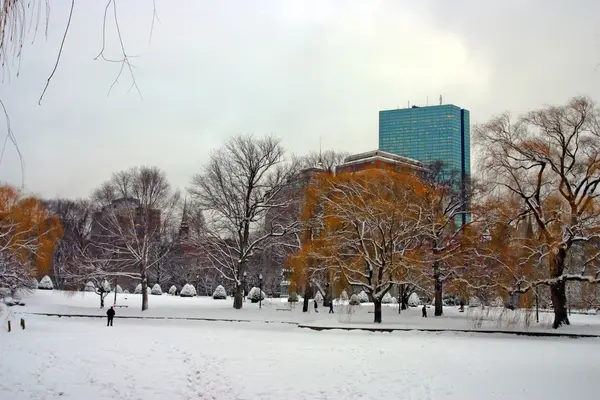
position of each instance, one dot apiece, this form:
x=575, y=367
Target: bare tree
x=326, y=160
x=239, y=185
x=132, y=227
x=549, y=159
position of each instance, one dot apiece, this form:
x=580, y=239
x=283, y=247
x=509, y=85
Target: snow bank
x=219, y=293
x=46, y=283
x=156, y=290
x=188, y=291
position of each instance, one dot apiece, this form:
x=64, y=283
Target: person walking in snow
x=110, y=314
x=424, y=309
x=316, y=306
x=331, y=307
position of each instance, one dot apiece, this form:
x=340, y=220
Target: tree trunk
x=307, y=296
x=101, y=300
x=558, y=292
x=144, y=289
x=377, y=318
x=559, y=304
x=238, y=297
x=439, y=306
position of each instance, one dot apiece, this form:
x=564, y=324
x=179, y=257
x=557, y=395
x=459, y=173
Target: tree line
x=531, y=223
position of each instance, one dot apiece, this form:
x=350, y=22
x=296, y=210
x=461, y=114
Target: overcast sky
x=298, y=69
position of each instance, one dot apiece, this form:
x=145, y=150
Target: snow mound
x=173, y=290
x=293, y=297
x=89, y=287
x=413, y=300
x=387, y=299
x=188, y=291
x=354, y=300
x=255, y=295
x=156, y=290
x=362, y=297
x=319, y=297
x=219, y=293
x=9, y=301
x=344, y=296
x=46, y=283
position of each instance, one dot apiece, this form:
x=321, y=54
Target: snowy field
x=278, y=310
x=81, y=358
x=170, y=357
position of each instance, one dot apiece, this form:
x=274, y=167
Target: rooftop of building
x=379, y=155
x=433, y=107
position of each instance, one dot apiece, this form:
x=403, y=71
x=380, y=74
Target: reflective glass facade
x=429, y=134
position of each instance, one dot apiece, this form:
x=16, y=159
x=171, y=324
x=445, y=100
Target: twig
x=154, y=17
x=62, y=43
x=10, y=135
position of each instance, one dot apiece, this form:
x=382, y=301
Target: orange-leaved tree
x=366, y=222
x=28, y=235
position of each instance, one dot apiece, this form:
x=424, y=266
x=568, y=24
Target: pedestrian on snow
x=424, y=309
x=316, y=306
x=110, y=314
x=331, y=307
x=461, y=307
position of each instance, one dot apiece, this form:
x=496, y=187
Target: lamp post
x=244, y=285
x=260, y=279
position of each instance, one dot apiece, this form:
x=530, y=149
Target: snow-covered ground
x=81, y=358
x=278, y=310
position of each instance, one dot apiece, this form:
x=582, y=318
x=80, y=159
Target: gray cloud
x=297, y=69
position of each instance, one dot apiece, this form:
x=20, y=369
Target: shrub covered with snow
x=394, y=300
x=89, y=287
x=219, y=293
x=344, y=296
x=363, y=297
x=46, y=283
x=34, y=283
x=125, y=291
x=474, y=302
x=106, y=286
x=188, y=291
x=413, y=300
x=354, y=300
x=293, y=297
x=387, y=299
x=497, y=302
x=138, y=289
x=173, y=290
x=255, y=295
x=119, y=289
x=156, y=290
x=319, y=297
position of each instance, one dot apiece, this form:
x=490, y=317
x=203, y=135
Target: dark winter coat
x=110, y=313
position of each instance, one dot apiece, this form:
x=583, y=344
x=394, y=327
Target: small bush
x=387, y=299
x=354, y=300
x=413, y=300
x=156, y=290
x=344, y=296
x=255, y=295
x=188, y=291
x=362, y=297
x=119, y=289
x=319, y=297
x=173, y=290
x=89, y=287
x=46, y=283
x=138, y=289
x=219, y=293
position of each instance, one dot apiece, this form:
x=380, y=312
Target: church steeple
x=184, y=228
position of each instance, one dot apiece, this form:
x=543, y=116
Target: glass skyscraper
x=427, y=134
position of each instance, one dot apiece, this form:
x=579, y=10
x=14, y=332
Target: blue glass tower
x=427, y=134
